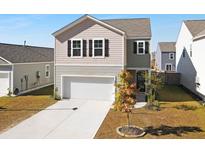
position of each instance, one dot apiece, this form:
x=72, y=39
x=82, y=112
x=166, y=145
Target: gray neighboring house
x=25, y=68
x=90, y=53
x=166, y=56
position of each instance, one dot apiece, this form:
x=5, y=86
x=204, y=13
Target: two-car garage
x=88, y=87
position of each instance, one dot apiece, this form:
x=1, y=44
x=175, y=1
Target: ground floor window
x=168, y=67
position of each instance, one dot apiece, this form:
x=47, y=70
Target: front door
x=141, y=81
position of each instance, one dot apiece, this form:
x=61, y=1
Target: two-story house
x=165, y=56
x=190, y=47
x=90, y=53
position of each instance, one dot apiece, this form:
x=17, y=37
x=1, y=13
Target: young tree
x=125, y=98
x=153, y=84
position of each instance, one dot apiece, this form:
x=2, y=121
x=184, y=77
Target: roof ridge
x=25, y=45
x=195, y=20
x=124, y=19
x=167, y=42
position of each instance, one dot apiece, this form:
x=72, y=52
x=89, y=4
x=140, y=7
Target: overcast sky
x=37, y=29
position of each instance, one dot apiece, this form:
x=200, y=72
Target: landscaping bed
x=180, y=116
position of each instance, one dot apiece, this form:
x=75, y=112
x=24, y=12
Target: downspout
x=54, y=67
x=125, y=52
x=12, y=79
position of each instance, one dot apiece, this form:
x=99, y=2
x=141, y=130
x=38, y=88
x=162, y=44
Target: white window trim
x=140, y=47
x=81, y=48
x=166, y=66
x=170, y=56
x=103, y=48
x=49, y=71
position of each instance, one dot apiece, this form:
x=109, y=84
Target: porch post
x=149, y=73
x=149, y=82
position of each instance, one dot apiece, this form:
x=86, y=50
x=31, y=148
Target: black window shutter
x=146, y=47
x=90, y=48
x=135, y=47
x=84, y=48
x=69, y=48
x=106, y=48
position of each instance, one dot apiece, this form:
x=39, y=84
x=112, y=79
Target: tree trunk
x=128, y=119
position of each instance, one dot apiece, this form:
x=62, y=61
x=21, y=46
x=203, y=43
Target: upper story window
x=47, y=71
x=141, y=47
x=171, y=56
x=190, y=50
x=99, y=48
x=77, y=48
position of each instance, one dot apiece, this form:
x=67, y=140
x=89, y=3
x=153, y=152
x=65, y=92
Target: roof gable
x=25, y=54
x=81, y=19
x=3, y=61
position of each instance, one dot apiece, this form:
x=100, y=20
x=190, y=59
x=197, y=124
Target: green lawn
x=181, y=116
x=16, y=109
x=173, y=93
x=43, y=91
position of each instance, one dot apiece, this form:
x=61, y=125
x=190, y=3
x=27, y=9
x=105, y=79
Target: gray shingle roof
x=202, y=33
x=135, y=27
x=167, y=46
x=26, y=54
x=195, y=26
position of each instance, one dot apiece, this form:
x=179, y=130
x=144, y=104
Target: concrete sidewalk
x=61, y=121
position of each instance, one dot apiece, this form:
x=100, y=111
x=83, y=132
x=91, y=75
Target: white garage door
x=94, y=88
x=4, y=83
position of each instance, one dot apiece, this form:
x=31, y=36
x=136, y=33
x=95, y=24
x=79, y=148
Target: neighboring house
x=190, y=49
x=90, y=53
x=166, y=56
x=24, y=68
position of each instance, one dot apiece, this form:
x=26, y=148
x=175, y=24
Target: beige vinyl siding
x=85, y=70
x=87, y=30
x=30, y=69
x=135, y=60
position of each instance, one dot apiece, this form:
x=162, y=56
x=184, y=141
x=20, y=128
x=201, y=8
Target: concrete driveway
x=61, y=121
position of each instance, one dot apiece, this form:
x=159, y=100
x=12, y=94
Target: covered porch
x=139, y=79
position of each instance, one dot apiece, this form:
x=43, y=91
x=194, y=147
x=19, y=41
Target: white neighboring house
x=25, y=68
x=190, y=49
x=166, y=56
